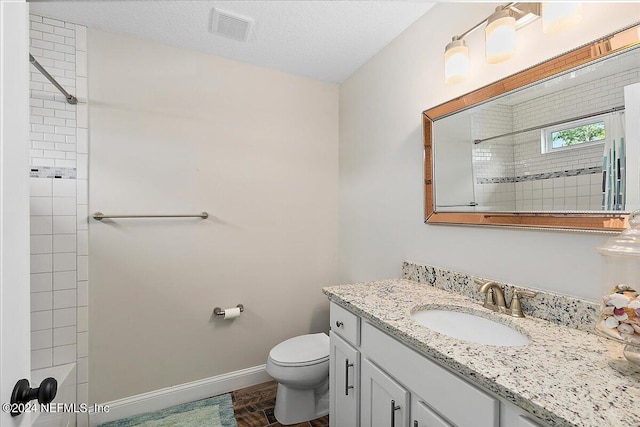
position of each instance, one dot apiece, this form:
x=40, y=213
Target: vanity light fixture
x=500, y=33
x=557, y=17
x=500, y=36
x=456, y=61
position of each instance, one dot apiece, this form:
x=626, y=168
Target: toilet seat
x=302, y=350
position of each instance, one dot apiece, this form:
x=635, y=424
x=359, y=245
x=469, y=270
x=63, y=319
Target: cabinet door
x=423, y=416
x=384, y=402
x=344, y=386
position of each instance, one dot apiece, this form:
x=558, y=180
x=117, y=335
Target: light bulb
x=456, y=61
x=558, y=17
x=500, y=36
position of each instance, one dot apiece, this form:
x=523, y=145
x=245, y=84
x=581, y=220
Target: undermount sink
x=470, y=327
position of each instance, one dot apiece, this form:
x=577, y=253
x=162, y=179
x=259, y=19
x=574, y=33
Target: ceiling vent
x=231, y=25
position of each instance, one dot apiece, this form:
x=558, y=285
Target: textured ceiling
x=324, y=40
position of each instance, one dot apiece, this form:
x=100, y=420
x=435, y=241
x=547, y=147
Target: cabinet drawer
x=452, y=397
x=345, y=324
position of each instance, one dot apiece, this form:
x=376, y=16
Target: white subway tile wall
x=53, y=121
x=520, y=155
x=493, y=158
x=59, y=146
x=581, y=192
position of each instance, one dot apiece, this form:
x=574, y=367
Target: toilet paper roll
x=231, y=313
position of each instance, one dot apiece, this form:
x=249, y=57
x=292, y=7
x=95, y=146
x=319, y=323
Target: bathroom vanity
x=389, y=370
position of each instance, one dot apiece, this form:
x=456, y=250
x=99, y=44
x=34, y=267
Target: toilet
x=300, y=365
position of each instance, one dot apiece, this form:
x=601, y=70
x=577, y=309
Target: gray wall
x=381, y=159
x=176, y=131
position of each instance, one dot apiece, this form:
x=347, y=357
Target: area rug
x=213, y=412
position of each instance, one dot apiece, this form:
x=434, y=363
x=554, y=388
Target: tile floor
x=253, y=407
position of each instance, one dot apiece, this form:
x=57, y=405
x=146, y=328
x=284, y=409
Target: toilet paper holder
x=220, y=312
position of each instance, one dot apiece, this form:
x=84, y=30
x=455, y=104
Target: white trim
x=66, y=376
x=632, y=131
x=15, y=360
x=183, y=393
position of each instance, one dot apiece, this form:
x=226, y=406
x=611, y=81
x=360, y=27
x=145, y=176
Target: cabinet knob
x=415, y=423
x=339, y=324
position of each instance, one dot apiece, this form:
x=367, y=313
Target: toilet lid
x=301, y=350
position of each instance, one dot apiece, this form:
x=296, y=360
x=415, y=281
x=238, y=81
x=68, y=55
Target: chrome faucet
x=495, y=300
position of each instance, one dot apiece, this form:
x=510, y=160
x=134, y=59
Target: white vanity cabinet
x=446, y=394
x=344, y=371
x=376, y=381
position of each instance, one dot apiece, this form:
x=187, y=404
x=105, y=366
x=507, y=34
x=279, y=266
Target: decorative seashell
x=631, y=313
x=623, y=288
x=626, y=336
x=634, y=304
x=618, y=300
x=625, y=328
x=621, y=317
x=611, y=322
x=612, y=332
x=636, y=327
x=608, y=311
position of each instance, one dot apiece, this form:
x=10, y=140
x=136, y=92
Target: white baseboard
x=183, y=393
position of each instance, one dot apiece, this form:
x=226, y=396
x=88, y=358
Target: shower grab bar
x=70, y=98
x=559, y=122
x=100, y=216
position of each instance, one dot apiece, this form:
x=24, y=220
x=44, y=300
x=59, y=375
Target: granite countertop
x=564, y=376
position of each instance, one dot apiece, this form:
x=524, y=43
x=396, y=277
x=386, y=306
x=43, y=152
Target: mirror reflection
x=558, y=145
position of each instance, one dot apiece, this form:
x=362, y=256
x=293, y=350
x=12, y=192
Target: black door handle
x=23, y=393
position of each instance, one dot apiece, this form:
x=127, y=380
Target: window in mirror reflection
x=574, y=134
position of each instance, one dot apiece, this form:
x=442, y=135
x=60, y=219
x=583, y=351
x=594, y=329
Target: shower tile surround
x=592, y=382
x=59, y=182
x=493, y=160
x=511, y=173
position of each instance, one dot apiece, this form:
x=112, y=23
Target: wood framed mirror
x=460, y=180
